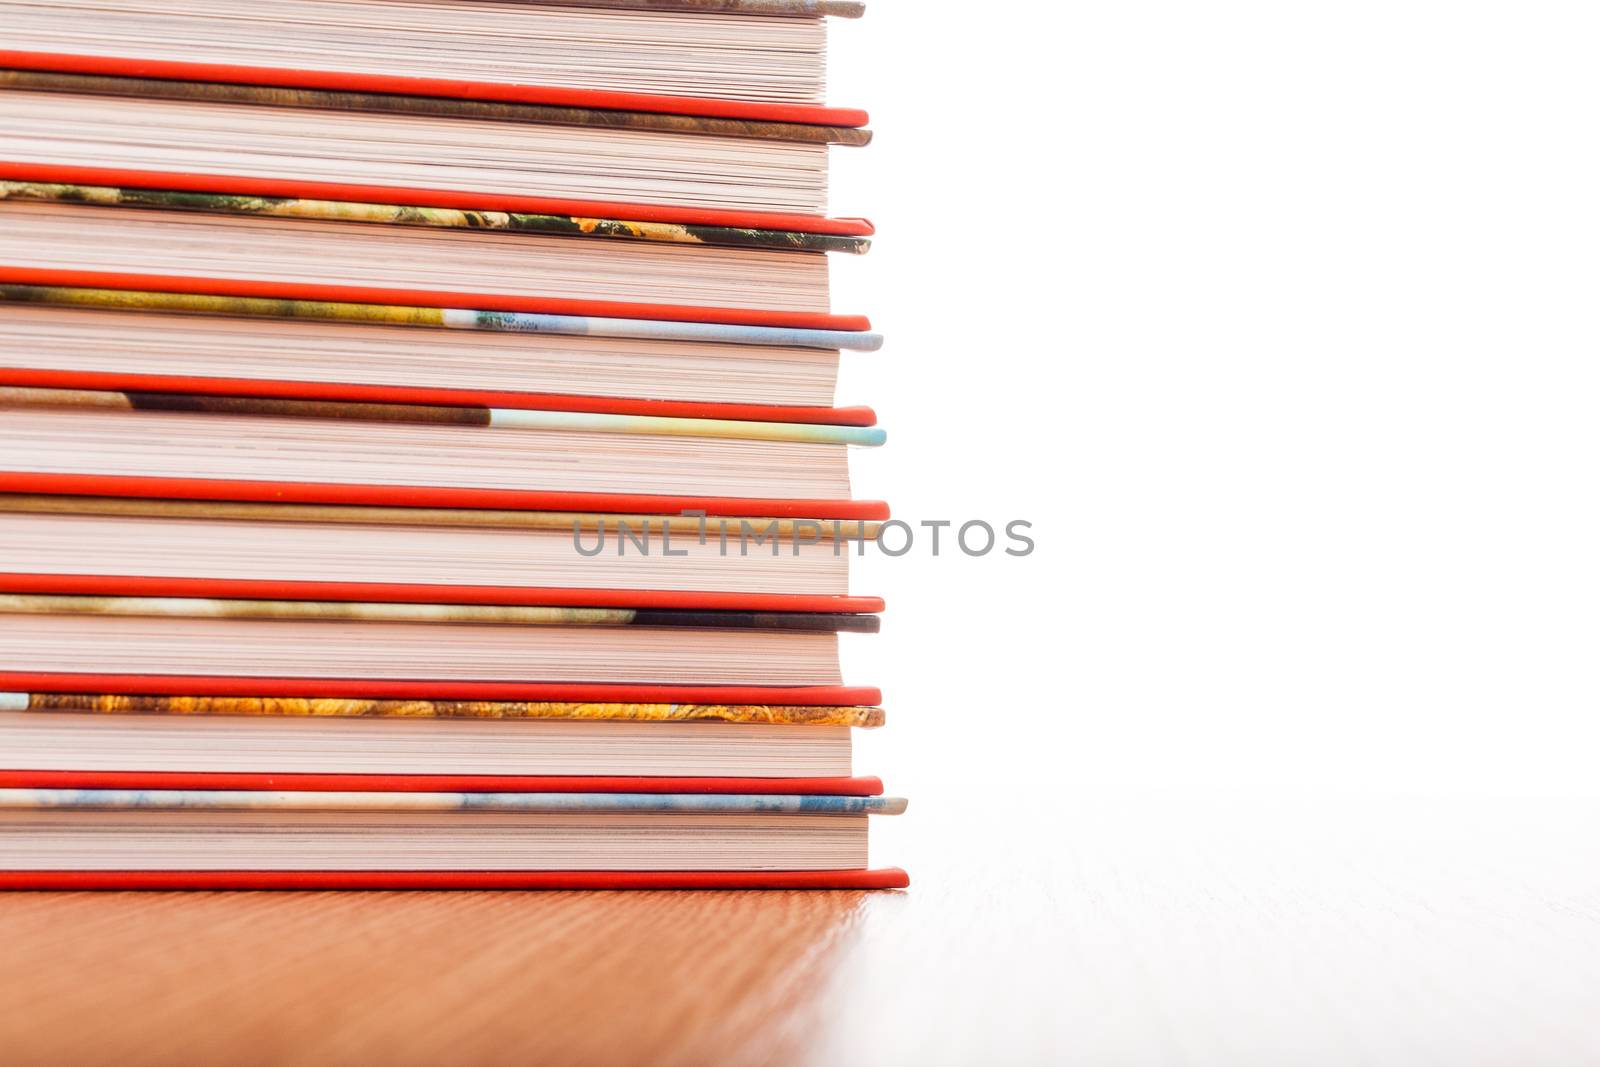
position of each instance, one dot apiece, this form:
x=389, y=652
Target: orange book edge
x=886, y=878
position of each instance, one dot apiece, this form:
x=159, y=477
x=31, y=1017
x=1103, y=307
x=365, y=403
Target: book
x=709, y=59
x=436, y=217
x=387, y=742
x=76, y=880
x=386, y=149
x=173, y=548
x=263, y=87
x=866, y=718
x=433, y=317
x=73, y=244
x=414, y=610
x=410, y=689
x=149, y=351
x=60, y=830
x=114, y=451
x=386, y=782
x=400, y=640
x=441, y=414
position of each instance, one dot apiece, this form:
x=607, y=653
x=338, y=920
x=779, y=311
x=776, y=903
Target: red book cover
x=886, y=878
x=423, y=496
x=429, y=298
x=435, y=783
x=383, y=592
x=49, y=378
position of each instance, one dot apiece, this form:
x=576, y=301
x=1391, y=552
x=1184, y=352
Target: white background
x=1278, y=320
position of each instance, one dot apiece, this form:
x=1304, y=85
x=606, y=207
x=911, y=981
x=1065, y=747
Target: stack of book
x=419, y=463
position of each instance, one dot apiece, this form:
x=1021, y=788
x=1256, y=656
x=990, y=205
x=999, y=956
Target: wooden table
x=1096, y=927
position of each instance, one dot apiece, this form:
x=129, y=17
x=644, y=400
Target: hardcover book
x=708, y=59
x=463, y=154
x=85, y=740
x=55, y=243
x=114, y=451
x=101, y=837
x=436, y=217
x=399, y=640
x=265, y=551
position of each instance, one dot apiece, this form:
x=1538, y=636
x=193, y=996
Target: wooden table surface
x=1102, y=927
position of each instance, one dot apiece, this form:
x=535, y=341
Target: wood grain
x=1093, y=927
x=426, y=978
